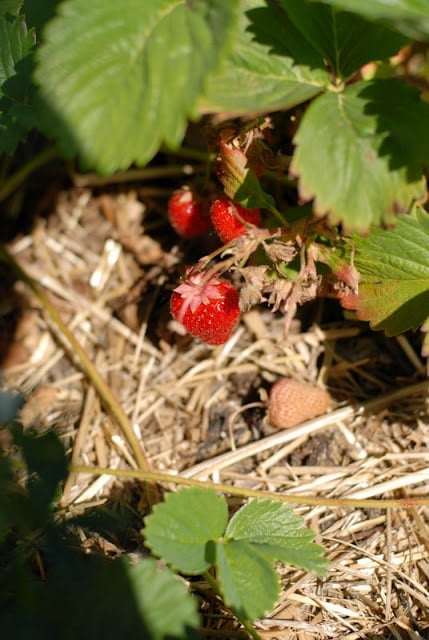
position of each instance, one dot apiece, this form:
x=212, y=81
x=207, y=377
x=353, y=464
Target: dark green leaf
x=10, y=6
x=393, y=265
x=16, y=117
x=271, y=66
x=181, y=530
x=360, y=154
x=164, y=603
x=120, y=79
x=409, y=16
x=344, y=39
x=250, y=586
x=38, y=14
x=46, y=465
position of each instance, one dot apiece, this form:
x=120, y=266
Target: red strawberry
x=186, y=214
x=208, y=309
x=228, y=217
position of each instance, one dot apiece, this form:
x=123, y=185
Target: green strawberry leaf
x=16, y=49
x=182, y=529
x=278, y=534
x=249, y=583
x=271, y=65
x=10, y=6
x=393, y=265
x=339, y=36
x=164, y=604
x=360, y=155
x=120, y=79
x=37, y=14
x=408, y=16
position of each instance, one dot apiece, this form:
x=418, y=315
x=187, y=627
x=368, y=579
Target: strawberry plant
x=44, y=575
x=353, y=142
x=314, y=114
x=242, y=550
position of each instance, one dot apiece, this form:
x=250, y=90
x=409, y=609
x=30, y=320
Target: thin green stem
x=192, y=154
x=278, y=215
x=246, y=623
x=15, y=180
x=106, y=394
x=335, y=503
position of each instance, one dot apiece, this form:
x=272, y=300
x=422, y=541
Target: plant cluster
x=109, y=85
x=351, y=75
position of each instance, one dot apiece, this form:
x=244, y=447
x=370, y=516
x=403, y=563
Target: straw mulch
x=108, y=263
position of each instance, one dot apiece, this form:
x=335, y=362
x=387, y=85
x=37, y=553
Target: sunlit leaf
x=271, y=65
x=121, y=79
x=360, y=153
x=250, y=585
x=182, y=529
x=393, y=265
x=274, y=530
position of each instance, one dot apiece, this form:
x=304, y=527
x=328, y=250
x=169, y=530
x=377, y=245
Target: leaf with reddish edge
x=393, y=264
x=347, y=276
x=239, y=181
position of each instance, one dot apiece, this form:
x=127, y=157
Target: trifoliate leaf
x=119, y=79
x=271, y=64
x=409, y=16
x=344, y=39
x=394, y=275
x=250, y=585
x=360, y=154
x=182, y=529
x=165, y=607
x=278, y=533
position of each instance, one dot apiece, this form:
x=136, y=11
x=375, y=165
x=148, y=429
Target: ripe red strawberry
x=187, y=215
x=208, y=309
x=228, y=217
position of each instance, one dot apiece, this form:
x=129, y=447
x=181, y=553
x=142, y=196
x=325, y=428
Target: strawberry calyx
x=198, y=289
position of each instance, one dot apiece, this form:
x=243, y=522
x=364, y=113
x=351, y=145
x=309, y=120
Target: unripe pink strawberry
x=292, y=402
x=228, y=218
x=208, y=309
x=187, y=214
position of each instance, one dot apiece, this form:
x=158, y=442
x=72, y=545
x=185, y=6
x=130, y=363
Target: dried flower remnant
x=292, y=402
